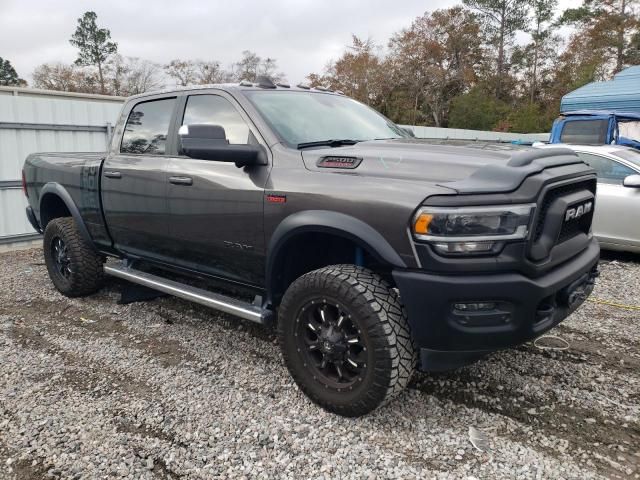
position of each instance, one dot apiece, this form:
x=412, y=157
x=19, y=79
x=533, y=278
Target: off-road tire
x=85, y=274
x=378, y=312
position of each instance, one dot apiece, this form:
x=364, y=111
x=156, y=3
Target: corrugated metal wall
x=36, y=121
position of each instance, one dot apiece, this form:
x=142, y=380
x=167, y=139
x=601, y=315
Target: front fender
x=324, y=221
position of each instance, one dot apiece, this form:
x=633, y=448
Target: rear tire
x=75, y=268
x=345, y=339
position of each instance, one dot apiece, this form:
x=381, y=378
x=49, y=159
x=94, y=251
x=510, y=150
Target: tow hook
x=577, y=292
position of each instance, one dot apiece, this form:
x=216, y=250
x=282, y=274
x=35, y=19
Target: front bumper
x=524, y=308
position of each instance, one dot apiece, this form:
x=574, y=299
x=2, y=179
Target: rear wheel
x=345, y=339
x=75, y=268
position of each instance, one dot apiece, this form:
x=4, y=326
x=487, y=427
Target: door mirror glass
x=632, y=181
x=209, y=142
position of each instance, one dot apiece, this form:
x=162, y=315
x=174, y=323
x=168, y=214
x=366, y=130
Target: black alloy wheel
x=332, y=344
x=60, y=256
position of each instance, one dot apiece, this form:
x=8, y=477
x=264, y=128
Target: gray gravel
x=165, y=389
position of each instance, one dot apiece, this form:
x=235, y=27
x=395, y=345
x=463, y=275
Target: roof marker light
x=264, y=81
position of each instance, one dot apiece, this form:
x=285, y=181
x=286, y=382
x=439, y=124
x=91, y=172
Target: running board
x=225, y=304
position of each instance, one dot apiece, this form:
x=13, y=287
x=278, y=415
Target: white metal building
x=463, y=134
x=40, y=120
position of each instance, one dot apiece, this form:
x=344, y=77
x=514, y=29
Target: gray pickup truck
x=371, y=252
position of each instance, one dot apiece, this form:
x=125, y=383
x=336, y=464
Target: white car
x=616, y=221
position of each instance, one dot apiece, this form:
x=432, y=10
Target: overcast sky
x=301, y=34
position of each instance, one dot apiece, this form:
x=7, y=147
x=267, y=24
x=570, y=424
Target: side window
x=147, y=127
x=217, y=110
x=608, y=170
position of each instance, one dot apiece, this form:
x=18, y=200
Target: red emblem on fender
x=277, y=198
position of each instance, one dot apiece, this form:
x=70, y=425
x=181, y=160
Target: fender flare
x=61, y=192
x=325, y=221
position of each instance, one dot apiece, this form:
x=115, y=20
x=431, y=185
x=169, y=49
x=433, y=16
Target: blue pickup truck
x=597, y=127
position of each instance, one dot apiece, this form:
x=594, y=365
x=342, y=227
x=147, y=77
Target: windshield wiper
x=328, y=143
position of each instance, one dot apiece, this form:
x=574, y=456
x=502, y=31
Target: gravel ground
x=165, y=389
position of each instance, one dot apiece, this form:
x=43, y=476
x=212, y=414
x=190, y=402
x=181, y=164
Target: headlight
x=467, y=230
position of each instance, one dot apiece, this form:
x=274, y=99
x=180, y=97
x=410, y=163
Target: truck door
x=616, y=216
x=134, y=184
x=216, y=208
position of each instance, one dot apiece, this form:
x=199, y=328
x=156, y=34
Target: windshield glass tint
x=301, y=117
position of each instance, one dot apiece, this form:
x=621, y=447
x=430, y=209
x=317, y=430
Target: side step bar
x=216, y=301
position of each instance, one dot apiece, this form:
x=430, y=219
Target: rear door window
x=147, y=127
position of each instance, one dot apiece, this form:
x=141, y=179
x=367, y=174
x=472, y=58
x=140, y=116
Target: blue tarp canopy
x=620, y=114
x=620, y=94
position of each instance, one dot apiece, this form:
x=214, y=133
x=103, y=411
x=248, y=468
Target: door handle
x=181, y=180
x=112, y=174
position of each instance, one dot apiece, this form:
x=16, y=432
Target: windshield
x=303, y=117
x=629, y=155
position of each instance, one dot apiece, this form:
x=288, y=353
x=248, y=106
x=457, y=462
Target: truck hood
x=475, y=168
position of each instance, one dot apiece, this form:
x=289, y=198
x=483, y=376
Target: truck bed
x=79, y=175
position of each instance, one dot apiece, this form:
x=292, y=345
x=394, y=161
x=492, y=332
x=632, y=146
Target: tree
x=541, y=35
x=436, y=59
x=528, y=118
x=502, y=19
x=9, y=76
x=251, y=66
x=94, y=45
x=362, y=72
x=196, y=72
x=131, y=76
x=211, y=72
x=183, y=71
x=633, y=50
x=65, y=78
x=357, y=71
x=476, y=110
x=608, y=27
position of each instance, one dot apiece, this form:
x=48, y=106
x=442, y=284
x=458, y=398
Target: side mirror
x=209, y=142
x=632, y=181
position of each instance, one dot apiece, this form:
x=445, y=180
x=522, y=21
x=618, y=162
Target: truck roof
x=261, y=83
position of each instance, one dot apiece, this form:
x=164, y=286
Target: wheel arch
x=55, y=202
x=314, y=224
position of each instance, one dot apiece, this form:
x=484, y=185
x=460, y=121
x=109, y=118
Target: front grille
x=569, y=229
x=573, y=227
